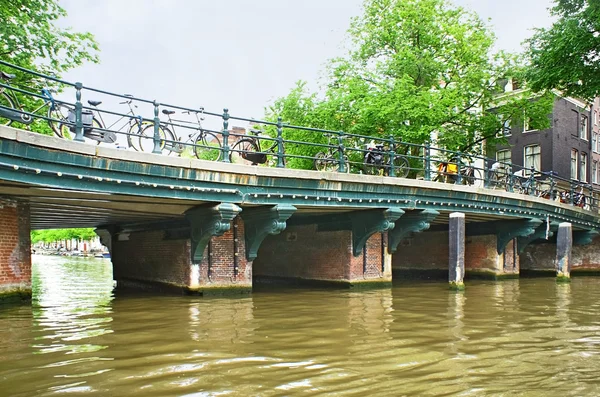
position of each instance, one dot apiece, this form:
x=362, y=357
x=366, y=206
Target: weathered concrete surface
x=456, y=251
x=564, y=245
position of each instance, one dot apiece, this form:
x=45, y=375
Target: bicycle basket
x=87, y=118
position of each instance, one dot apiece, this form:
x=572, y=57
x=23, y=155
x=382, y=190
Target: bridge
x=202, y=226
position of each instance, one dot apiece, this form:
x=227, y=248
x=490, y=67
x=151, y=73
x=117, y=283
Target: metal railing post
x=486, y=173
x=572, y=194
x=532, y=182
x=156, y=149
x=552, y=186
x=392, y=156
x=225, y=134
x=427, y=175
x=78, y=114
x=458, y=169
x=280, y=155
x=341, y=162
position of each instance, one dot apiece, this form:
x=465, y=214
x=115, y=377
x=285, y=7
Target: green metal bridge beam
x=409, y=223
x=209, y=221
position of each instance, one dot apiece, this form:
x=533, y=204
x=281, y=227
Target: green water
x=528, y=337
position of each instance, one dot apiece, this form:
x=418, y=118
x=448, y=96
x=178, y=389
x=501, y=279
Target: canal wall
x=303, y=254
x=15, y=250
x=425, y=255
x=541, y=259
x=162, y=259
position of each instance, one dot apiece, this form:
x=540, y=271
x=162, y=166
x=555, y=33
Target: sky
x=238, y=54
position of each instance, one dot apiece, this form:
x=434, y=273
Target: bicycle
x=206, y=145
x=377, y=161
x=330, y=161
x=447, y=171
x=132, y=122
x=248, y=150
x=12, y=111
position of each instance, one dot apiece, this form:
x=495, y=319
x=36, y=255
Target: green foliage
x=52, y=235
x=415, y=67
x=566, y=56
x=30, y=38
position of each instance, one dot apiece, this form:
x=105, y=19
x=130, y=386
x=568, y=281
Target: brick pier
x=15, y=251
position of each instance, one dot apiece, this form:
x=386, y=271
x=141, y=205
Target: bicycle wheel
x=242, y=152
x=473, y=177
x=146, y=139
x=401, y=166
x=324, y=162
x=6, y=102
x=58, y=114
x=207, y=146
x=133, y=134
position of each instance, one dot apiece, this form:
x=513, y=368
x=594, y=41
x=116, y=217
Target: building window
x=595, y=141
x=575, y=126
x=533, y=158
x=574, y=156
x=504, y=156
x=583, y=128
x=594, y=172
x=583, y=168
x=506, y=128
x=596, y=117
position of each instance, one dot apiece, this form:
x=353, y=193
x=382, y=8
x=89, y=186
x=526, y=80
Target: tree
x=415, y=67
x=566, y=56
x=30, y=38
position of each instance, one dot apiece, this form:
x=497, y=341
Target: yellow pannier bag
x=452, y=168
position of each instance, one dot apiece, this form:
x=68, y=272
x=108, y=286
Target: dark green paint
x=262, y=221
x=367, y=223
x=207, y=222
x=506, y=233
x=409, y=223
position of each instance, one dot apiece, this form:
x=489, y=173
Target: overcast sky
x=238, y=54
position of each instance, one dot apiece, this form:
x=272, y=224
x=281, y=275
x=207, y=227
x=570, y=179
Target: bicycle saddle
x=256, y=132
x=167, y=111
x=6, y=76
x=94, y=103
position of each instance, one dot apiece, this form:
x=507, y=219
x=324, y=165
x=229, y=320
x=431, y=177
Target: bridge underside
x=200, y=226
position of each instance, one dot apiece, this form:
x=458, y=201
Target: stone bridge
x=203, y=227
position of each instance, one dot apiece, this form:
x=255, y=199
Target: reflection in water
x=521, y=337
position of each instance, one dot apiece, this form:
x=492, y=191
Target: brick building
x=570, y=147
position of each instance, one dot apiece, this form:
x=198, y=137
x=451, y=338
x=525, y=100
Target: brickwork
x=15, y=249
x=146, y=257
x=542, y=257
x=224, y=263
x=303, y=252
x=429, y=251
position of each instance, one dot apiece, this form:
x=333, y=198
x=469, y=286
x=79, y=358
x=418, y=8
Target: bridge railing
x=49, y=105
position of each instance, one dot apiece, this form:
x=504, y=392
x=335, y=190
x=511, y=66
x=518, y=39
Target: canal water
x=528, y=337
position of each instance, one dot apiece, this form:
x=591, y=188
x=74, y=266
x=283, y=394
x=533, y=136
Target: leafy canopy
x=415, y=67
x=566, y=56
x=29, y=37
x=53, y=235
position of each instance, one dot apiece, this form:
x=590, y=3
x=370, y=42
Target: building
x=569, y=147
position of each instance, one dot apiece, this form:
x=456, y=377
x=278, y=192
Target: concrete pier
x=456, y=253
x=564, y=246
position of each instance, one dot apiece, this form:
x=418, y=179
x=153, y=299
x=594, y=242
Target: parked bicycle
x=447, y=171
x=377, y=161
x=330, y=160
x=12, y=111
x=133, y=124
x=248, y=149
x=205, y=145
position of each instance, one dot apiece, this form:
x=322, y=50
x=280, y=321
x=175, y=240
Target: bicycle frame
x=18, y=114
